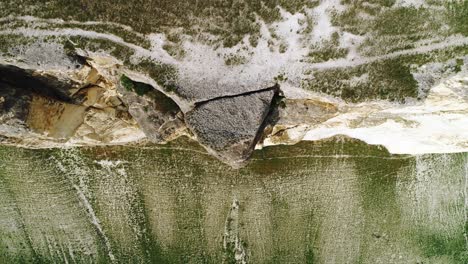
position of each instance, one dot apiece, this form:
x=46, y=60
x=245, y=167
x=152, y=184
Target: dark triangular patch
x=228, y=127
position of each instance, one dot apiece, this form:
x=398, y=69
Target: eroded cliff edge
x=99, y=101
x=274, y=73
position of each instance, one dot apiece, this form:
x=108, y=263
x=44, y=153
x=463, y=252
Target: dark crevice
x=163, y=102
x=14, y=101
x=28, y=80
x=272, y=117
x=280, y=131
x=275, y=87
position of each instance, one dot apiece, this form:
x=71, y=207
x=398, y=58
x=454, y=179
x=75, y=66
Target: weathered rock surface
x=107, y=126
x=91, y=106
x=229, y=127
x=373, y=61
x=379, y=71
x=309, y=111
x=158, y=116
x=98, y=104
x=48, y=108
x=196, y=89
x=53, y=118
x=32, y=102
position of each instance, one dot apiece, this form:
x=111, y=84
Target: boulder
x=229, y=127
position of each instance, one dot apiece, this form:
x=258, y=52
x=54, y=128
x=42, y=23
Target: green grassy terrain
x=334, y=200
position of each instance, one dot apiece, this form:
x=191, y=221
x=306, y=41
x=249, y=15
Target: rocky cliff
x=235, y=75
x=233, y=131
x=331, y=201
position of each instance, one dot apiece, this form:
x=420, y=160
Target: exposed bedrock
x=97, y=104
x=38, y=109
x=102, y=102
x=228, y=126
x=42, y=103
x=158, y=116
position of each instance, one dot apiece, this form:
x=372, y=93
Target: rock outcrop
x=41, y=103
x=99, y=104
x=229, y=127
x=54, y=118
x=158, y=116
x=80, y=107
x=203, y=71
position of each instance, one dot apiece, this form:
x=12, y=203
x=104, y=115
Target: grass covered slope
x=355, y=50
x=331, y=201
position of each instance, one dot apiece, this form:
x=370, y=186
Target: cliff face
x=337, y=200
x=102, y=102
x=150, y=131
x=235, y=75
x=91, y=106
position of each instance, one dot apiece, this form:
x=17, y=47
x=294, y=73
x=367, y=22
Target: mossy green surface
x=458, y=15
x=327, y=50
x=386, y=28
x=136, y=87
x=230, y=20
x=334, y=200
x=162, y=102
x=388, y=79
